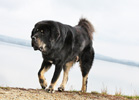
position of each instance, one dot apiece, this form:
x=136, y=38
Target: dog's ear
x=53, y=27
x=55, y=32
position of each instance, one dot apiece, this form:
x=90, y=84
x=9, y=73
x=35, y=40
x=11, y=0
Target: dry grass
x=104, y=90
x=118, y=92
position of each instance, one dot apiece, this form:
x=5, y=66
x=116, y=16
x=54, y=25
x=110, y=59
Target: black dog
x=63, y=45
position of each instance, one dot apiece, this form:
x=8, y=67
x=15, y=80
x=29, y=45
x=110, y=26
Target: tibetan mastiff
x=63, y=45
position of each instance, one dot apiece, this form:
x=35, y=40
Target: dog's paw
x=43, y=84
x=61, y=89
x=83, y=91
x=50, y=90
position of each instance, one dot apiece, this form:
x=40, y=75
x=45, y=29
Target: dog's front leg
x=56, y=75
x=45, y=67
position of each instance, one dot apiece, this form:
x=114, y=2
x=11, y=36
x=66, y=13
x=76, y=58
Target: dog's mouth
x=42, y=48
x=39, y=46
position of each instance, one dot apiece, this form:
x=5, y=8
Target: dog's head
x=45, y=35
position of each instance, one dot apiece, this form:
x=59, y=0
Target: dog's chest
x=51, y=59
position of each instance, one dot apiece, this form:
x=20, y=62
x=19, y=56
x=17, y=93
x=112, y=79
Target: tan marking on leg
x=65, y=76
x=42, y=78
x=84, y=83
x=52, y=87
x=84, y=80
x=53, y=84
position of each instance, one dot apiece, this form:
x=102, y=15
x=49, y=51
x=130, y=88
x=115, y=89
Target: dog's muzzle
x=38, y=45
x=34, y=43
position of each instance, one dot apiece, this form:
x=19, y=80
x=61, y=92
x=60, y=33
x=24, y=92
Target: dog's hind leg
x=86, y=60
x=66, y=69
x=44, y=67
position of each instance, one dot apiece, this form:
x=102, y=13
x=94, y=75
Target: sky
x=115, y=21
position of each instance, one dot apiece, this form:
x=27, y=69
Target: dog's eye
x=37, y=30
x=42, y=32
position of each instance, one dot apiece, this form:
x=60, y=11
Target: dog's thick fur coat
x=63, y=45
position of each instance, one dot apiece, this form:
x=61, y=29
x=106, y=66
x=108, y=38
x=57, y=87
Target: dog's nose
x=33, y=38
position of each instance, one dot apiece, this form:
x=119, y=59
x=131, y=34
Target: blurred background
x=116, y=64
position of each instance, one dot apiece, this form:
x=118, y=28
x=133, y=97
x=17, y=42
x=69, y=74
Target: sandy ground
x=38, y=94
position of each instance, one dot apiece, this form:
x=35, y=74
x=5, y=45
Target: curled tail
x=84, y=23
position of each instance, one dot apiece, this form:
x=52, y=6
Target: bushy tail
x=84, y=23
